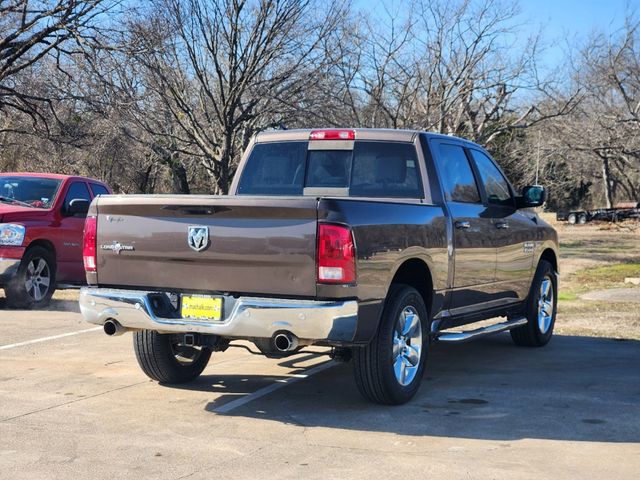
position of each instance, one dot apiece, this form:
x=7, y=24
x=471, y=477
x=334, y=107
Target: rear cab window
x=380, y=169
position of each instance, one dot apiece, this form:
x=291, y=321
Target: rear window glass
x=385, y=169
x=372, y=169
x=275, y=169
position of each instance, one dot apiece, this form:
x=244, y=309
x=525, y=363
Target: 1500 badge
x=528, y=247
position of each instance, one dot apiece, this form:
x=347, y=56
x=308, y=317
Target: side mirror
x=532, y=196
x=78, y=206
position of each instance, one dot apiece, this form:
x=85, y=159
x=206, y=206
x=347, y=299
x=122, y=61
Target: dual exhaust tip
x=282, y=342
x=113, y=328
x=285, y=342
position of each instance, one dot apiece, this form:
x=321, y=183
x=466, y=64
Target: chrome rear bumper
x=244, y=317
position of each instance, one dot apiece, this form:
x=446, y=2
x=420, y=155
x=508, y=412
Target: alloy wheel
x=407, y=345
x=545, y=305
x=37, y=279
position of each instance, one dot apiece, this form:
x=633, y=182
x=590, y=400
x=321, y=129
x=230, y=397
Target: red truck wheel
x=35, y=281
x=390, y=368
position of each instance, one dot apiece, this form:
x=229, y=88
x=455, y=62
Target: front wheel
x=35, y=280
x=541, y=309
x=389, y=369
x=166, y=359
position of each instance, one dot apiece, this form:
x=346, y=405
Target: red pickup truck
x=41, y=222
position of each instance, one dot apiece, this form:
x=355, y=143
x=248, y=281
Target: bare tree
x=226, y=69
x=33, y=32
x=601, y=141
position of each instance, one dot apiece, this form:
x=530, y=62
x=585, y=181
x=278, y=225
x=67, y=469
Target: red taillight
x=336, y=254
x=89, y=244
x=332, y=135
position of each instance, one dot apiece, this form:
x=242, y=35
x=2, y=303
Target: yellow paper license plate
x=201, y=307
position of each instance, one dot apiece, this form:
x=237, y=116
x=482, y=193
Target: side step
x=458, y=337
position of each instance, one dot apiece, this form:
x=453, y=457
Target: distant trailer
x=621, y=211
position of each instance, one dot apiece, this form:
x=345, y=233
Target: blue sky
x=565, y=20
x=560, y=21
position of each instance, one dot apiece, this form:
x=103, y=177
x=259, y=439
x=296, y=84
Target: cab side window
x=496, y=186
x=457, y=177
x=99, y=190
x=76, y=190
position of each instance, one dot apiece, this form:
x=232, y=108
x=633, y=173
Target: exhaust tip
x=113, y=328
x=285, y=342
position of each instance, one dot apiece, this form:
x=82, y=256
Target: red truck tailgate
x=256, y=245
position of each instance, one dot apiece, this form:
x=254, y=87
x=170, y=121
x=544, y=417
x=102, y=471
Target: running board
x=457, y=337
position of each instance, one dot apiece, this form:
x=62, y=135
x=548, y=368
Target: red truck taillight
x=336, y=254
x=89, y=244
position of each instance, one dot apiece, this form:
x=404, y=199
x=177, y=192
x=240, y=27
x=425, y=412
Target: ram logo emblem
x=198, y=237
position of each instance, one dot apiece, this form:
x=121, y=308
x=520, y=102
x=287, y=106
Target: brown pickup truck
x=373, y=242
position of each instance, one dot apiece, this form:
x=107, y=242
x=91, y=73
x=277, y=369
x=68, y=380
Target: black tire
x=582, y=219
x=28, y=289
x=156, y=354
x=532, y=334
x=572, y=218
x=374, y=364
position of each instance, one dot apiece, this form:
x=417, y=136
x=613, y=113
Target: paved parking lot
x=77, y=406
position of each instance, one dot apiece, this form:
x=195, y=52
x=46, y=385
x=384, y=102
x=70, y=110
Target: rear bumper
x=331, y=322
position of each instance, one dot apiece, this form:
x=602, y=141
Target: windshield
x=32, y=192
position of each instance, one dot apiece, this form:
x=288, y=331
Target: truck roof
x=55, y=176
x=388, y=134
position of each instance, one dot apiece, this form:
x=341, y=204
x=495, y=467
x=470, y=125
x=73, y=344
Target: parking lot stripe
x=228, y=407
x=46, y=339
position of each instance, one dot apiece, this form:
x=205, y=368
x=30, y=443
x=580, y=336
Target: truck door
x=511, y=230
x=473, y=243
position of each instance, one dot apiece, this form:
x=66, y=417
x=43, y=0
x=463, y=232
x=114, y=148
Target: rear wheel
x=541, y=309
x=582, y=219
x=166, y=359
x=35, y=280
x=390, y=368
x=572, y=218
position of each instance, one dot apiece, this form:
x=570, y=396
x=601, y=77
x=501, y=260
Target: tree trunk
x=606, y=177
x=179, y=177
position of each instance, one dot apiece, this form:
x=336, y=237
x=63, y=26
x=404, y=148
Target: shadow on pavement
x=575, y=388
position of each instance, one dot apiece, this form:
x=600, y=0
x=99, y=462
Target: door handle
x=502, y=225
x=463, y=225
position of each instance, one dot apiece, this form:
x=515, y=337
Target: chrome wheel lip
x=407, y=345
x=546, y=304
x=38, y=279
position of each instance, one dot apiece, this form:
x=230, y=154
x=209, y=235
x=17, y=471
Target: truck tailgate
x=255, y=245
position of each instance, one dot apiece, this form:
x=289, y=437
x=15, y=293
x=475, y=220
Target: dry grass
x=593, y=257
